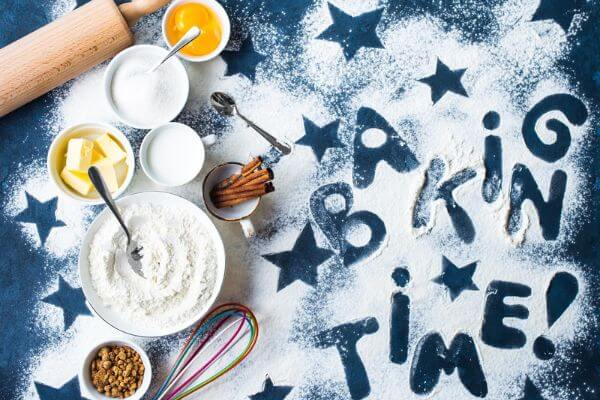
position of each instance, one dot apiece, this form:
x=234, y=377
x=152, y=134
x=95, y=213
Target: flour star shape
x=244, y=61
x=560, y=11
x=42, y=214
x=70, y=299
x=445, y=80
x=352, y=33
x=531, y=392
x=271, y=392
x=456, y=279
x=320, y=138
x=301, y=262
x=68, y=391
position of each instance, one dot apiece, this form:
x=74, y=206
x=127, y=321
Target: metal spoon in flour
x=225, y=104
x=134, y=252
x=190, y=35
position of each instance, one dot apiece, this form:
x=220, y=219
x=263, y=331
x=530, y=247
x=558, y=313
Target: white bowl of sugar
x=144, y=99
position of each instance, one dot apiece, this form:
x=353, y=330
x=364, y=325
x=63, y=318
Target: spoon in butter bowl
x=190, y=35
x=225, y=104
x=134, y=252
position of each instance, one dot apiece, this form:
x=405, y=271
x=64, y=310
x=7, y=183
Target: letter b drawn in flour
x=336, y=223
x=434, y=189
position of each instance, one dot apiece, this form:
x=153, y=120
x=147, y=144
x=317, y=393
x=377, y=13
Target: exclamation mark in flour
x=561, y=293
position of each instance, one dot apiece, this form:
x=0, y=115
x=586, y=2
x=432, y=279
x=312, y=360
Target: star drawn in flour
x=445, y=80
x=42, y=214
x=70, y=299
x=352, y=33
x=68, y=391
x=560, y=11
x=456, y=279
x=320, y=138
x=244, y=61
x=531, y=392
x=272, y=392
x=301, y=262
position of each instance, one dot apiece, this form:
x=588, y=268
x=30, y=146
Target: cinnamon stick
x=247, y=193
x=252, y=165
x=238, y=189
x=254, y=175
x=239, y=200
x=247, y=169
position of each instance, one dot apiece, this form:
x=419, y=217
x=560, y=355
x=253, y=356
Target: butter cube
x=110, y=148
x=79, y=154
x=96, y=155
x=79, y=181
x=107, y=170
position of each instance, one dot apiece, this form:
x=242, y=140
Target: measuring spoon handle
x=100, y=185
x=284, y=148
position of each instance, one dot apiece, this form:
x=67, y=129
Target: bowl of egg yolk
x=209, y=16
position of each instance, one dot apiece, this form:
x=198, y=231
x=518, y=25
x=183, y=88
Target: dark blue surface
x=456, y=279
x=301, y=262
x=25, y=271
x=272, y=392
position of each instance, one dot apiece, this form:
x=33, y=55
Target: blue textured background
x=24, y=270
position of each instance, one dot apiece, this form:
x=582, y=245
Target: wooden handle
x=136, y=9
x=59, y=51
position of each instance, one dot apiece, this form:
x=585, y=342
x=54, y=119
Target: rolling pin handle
x=136, y=9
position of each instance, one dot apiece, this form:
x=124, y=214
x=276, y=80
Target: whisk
x=206, y=332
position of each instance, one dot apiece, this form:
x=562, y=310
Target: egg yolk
x=191, y=14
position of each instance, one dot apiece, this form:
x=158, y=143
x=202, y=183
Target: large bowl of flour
x=183, y=265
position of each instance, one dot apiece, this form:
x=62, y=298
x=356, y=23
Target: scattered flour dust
x=179, y=265
x=508, y=74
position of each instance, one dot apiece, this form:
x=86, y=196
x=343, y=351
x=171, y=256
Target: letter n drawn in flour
x=524, y=187
x=435, y=189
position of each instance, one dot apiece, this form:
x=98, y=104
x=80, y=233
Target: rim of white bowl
x=110, y=71
x=84, y=373
x=225, y=28
x=218, y=287
x=143, y=155
x=62, y=187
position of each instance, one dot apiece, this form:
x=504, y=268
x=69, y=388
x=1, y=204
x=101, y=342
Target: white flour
x=179, y=264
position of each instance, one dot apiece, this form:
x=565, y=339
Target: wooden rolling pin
x=67, y=47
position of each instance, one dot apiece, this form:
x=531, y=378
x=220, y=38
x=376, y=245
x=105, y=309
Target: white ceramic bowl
x=112, y=317
x=58, y=149
x=184, y=90
x=235, y=213
x=85, y=380
x=223, y=19
x=177, y=141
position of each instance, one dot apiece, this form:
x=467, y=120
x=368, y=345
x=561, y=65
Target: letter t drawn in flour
x=344, y=338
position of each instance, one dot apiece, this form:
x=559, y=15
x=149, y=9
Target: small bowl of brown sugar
x=117, y=369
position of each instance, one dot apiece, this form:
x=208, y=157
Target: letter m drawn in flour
x=435, y=189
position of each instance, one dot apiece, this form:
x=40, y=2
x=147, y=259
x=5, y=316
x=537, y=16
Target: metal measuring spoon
x=190, y=35
x=225, y=104
x=133, y=251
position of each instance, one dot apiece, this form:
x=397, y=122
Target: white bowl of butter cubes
x=77, y=148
